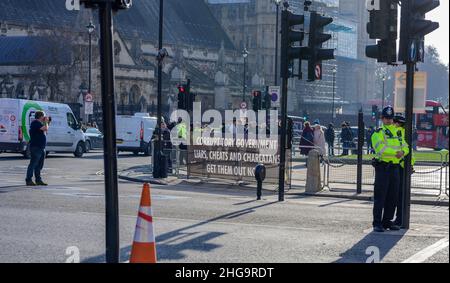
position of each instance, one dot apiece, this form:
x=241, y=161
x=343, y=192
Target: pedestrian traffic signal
x=257, y=100
x=383, y=27
x=317, y=38
x=414, y=28
x=289, y=38
x=375, y=112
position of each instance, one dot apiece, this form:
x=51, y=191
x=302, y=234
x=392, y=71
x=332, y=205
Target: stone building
x=198, y=47
x=251, y=24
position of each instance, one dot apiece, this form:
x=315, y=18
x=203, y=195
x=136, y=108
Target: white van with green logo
x=16, y=115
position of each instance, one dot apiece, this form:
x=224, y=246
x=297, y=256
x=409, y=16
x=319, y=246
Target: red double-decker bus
x=432, y=127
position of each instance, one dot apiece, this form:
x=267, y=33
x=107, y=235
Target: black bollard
x=260, y=175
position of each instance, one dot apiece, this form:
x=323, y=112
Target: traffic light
x=383, y=26
x=316, y=40
x=257, y=100
x=305, y=115
x=414, y=28
x=375, y=112
x=289, y=38
x=186, y=98
x=116, y=4
x=182, y=97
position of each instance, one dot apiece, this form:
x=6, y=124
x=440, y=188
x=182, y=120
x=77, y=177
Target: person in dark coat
x=330, y=136
x=369, y=134
x=307, y=139
x=346, y=138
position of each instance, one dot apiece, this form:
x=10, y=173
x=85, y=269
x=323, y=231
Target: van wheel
x=79, y=150
x=148, y=150
x=135, y=153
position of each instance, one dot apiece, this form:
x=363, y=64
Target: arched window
x=135, y=95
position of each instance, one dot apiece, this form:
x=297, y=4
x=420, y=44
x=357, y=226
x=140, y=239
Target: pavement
x=198, y=222
x=345, y=188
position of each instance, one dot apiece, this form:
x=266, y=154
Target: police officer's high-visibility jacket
x=387, y=142
x=182, y=131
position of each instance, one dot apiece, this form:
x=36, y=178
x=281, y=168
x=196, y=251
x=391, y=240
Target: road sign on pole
x=89, y=108
x=89, y=98
x=274, y=92
x=420, y=92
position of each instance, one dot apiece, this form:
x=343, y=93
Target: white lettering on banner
x=72, y=5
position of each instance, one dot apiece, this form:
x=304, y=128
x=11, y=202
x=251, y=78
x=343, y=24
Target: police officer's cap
x=388, y=112
x=399, y=119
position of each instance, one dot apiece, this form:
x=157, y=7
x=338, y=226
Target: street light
x=333, y=110
x=277, y=3
x=244, y=55
x=91, y=28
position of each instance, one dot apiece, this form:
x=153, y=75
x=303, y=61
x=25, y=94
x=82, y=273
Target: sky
x=440, y=38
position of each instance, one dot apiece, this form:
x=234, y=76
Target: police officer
x=389, y=150
x=182, y=136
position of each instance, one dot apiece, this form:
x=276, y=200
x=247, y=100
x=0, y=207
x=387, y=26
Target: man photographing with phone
x=38, y=142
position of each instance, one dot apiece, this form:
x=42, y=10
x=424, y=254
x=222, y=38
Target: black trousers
x=399, y=214
x=386, y=191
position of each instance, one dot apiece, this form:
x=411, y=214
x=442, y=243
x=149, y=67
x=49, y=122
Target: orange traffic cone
x=144, y=246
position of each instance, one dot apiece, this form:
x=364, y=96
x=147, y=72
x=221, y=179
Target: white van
x=134, y=133
x=64, y=134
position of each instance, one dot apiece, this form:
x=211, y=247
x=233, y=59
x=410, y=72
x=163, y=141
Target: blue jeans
x=36, y=164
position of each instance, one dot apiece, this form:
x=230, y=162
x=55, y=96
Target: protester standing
x=330, y=136
x=307, y=139
x=319, y=139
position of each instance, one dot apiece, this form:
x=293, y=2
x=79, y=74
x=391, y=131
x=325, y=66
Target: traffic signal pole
x=410, y=71
x=109, y=128
x=282, y=167
x=159, y=98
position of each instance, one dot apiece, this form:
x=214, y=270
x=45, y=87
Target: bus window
x=425, y=122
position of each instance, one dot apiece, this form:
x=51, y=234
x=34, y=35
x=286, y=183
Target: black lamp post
x=277, y=3
x=244, y=87
x=90, y=27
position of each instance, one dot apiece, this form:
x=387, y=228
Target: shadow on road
x=168, y=246
x=372, y=248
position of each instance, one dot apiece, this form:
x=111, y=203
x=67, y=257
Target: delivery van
x=63, y=136
x=134, y=133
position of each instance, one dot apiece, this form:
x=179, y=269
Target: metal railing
x=430, y=177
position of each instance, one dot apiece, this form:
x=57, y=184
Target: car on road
x=63, y=136
x=94, y=138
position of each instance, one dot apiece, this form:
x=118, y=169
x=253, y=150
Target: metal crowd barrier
x=429, y=177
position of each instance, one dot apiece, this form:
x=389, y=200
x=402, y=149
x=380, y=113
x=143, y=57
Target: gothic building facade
x=44, y=51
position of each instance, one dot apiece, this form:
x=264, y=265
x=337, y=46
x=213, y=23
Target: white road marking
x=428, y=252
